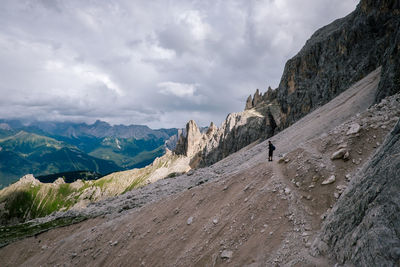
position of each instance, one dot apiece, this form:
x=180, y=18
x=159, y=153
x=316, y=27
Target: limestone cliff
x=338, y=55
x=335, y=57
x=237, y=131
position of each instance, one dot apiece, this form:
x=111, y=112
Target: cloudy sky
x=159, y=62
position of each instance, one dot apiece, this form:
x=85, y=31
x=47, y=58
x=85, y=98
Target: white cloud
x=177, y=89
x=195, y=24
x=157, y=62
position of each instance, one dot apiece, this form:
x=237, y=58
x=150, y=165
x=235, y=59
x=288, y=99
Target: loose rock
x=354, y=128
x=330, y=180
x=339, y=154
x=226, y=254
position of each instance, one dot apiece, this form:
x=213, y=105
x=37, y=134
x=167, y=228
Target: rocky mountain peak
x=29, y=179
x=211, y=129
x=188, y=145
x=193, y=137
x=258, y=98
x=59, y=180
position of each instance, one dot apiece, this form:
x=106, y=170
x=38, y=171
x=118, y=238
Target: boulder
x=331, y=179
x=226, y=254
x=339, y=154
x=354, y=128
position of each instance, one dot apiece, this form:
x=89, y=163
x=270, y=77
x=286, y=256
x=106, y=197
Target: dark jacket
x=271, y=148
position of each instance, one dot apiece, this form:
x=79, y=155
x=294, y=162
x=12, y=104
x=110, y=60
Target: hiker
x=271, y=149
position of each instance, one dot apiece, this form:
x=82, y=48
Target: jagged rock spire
x=249, y=103
x=258, y=98
x=188, y=145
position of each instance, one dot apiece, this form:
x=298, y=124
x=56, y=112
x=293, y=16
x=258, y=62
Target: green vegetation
x=24, y=152
x=140, y=181
x=130, y=156
x=31, y=202
x=102, y=182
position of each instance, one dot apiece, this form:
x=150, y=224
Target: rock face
x=335, y=57
x=363, y=227
x=340, y=54
x=237, y=131
x=258, y=98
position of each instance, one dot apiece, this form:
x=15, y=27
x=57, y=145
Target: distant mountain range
x=44, y=148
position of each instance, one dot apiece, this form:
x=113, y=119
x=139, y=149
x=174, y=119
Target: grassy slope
x=129, y=153
x=26, y=200
x=128, y=161
x=24, y=153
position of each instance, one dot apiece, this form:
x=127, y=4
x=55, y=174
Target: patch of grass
x=21, y=201
x=172, y=175
x=102, y=182
x=9, y=234
x=32, y=202
x=65, y=190
x=136, y=183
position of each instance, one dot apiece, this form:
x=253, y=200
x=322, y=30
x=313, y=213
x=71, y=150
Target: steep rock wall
x=340, y=54
x=364, y=226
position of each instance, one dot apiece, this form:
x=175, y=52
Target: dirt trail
x=249, y=213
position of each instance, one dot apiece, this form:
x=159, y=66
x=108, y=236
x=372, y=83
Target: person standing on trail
x=271, y=149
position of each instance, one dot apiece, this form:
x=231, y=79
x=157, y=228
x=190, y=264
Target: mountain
x=29, y=198
x=335, y=57
x=241, y=210
x=23, y=153
x=329, y=198
x=100, y=129
x=44, y=148
x=338, y=55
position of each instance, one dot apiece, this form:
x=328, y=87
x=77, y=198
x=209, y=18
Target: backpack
x=273, y=147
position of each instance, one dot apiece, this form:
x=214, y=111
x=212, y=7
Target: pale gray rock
x=339, y=154
x=354, y=128
x=226, y=254
x=237, y=131
x=331, y=179
x=59, y=180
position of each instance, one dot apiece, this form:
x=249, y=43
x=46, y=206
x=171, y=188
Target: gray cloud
x=158, y=63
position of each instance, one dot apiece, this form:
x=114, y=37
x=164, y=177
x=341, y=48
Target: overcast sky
x=158, y=63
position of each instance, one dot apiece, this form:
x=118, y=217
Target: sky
x=159, y=63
